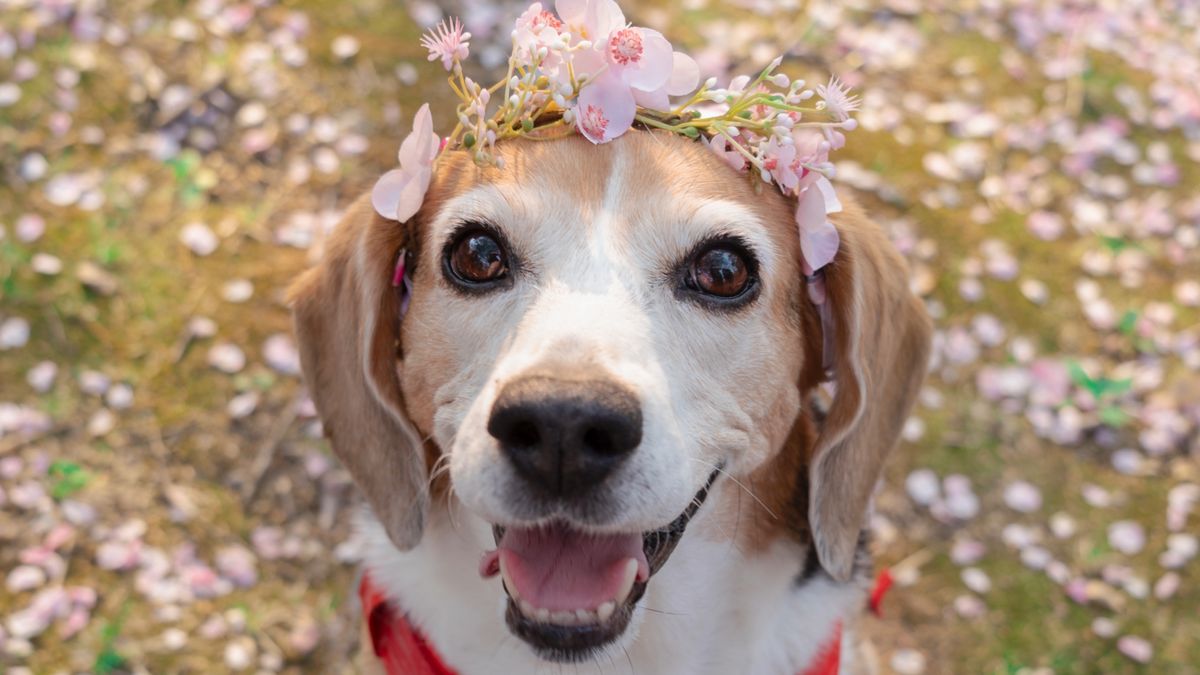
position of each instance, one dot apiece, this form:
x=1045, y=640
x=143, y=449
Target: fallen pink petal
x=172, y=495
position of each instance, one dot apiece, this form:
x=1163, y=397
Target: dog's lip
x=658, y=539
x=561, y=642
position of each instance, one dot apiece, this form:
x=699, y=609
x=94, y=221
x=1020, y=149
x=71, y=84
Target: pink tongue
x=557, y=568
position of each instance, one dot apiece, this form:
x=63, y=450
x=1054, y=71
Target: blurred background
x=167, y=167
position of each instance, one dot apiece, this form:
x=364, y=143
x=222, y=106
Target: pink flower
x=838, y=100
x=448, y=42
x=539, y=33
x=536, y=21
x=791, y=165
x=605, y=109
x=725, y=150
x=683, y=79
x=819, y=239
x=640, y=60
x=591, y=20
x=781, y=164
x=399, y=193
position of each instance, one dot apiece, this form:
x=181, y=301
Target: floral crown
x=585, y=69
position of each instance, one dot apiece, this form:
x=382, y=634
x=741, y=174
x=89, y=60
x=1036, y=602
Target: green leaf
x=1081, y=378
x=1114, y=417
x=1114, y=387
x=108, y=661
x=69, y=479
x=1128, y=322
x=1115, y=244
x=108, y=253
x=183, y=164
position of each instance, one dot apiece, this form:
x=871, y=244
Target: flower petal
x=421, y=146
x=819, y=239
x=413, y=195
x=596, y=18
x=653, y=69
x=832, y=203
x=603, y=17
x=605, y=109
x=385, y=196
x=652, y=100
x=571, y=11
x=685, y=75
x=587, y=62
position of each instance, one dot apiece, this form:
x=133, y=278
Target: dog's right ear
x=347, y=319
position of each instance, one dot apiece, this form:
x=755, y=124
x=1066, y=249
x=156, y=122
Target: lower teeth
x=578, y=617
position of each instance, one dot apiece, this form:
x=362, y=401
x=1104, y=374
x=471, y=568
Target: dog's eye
x=477, y=258
x=719, y=271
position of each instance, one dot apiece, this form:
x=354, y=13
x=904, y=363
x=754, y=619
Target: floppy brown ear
x=347, y=318
x=881, y=348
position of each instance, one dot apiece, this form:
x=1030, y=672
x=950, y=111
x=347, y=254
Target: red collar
x=404, y=651
x=398, y=646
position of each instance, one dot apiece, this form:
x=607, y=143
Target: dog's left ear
x=347, y=320
x=880, y=347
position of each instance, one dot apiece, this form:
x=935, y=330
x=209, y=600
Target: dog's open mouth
x=571, y=592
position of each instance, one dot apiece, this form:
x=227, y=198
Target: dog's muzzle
x=571, y=591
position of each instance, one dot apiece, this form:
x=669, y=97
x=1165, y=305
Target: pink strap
x=402, y=281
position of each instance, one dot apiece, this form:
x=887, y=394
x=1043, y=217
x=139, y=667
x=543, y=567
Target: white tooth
x=565, y=618
x=604, y=612
x=542, y=615
x=584, y=617
x=631, y=570
x=527, y=609
x=508, y=583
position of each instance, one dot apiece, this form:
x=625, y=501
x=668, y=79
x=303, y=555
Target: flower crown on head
x=585, y=69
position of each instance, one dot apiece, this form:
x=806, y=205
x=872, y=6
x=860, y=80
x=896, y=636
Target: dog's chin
x=572, y=593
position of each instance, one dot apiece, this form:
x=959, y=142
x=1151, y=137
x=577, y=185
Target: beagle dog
x=582, y=415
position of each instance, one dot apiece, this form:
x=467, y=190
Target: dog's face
x=596, y=334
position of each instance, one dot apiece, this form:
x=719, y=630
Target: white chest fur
x=711, y=609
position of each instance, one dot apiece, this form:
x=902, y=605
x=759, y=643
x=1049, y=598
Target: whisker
x=664, y=612
x=736, y=482
x=442, y=467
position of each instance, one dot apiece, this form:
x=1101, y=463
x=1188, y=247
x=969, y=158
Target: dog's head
x=596, y=334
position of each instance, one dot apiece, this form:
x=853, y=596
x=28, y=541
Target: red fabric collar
x=404, y=651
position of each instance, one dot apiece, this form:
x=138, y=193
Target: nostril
x=524, y=434
x=599, y=441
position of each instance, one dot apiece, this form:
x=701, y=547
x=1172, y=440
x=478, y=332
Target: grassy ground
x=196, y=477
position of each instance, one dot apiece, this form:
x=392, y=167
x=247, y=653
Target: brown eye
x=721, y=272
x=477, y=258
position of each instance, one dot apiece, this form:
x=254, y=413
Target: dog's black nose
x=565, y=436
